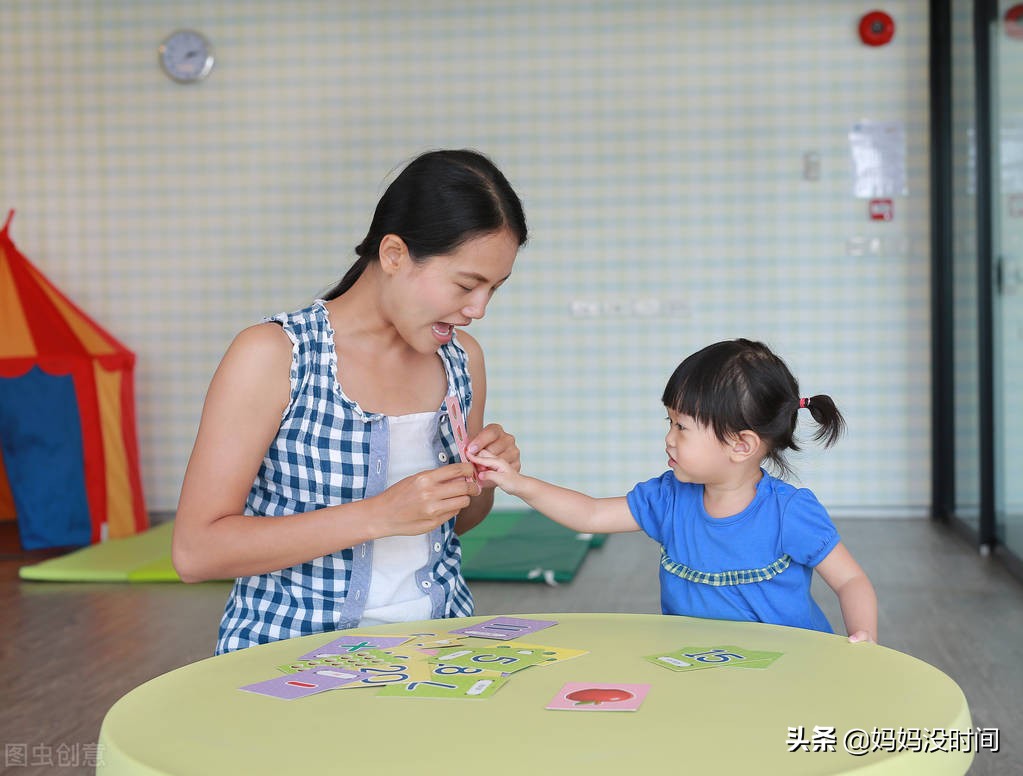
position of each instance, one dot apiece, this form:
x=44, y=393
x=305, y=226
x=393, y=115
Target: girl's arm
x=569, y=507
x=855, y=593
x=213, y=539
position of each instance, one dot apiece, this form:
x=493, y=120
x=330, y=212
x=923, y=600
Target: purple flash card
x=348, y=644
x=504, y=628
x=304, y=683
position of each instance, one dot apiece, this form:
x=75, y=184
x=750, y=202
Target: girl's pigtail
x=830, y=423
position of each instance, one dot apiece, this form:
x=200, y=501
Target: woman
x=330, y=420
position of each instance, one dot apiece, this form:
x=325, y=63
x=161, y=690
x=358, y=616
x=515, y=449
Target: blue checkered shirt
x=326, y=452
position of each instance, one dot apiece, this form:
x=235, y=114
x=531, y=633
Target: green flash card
x=453, y=687
x=503, y=657
x=699, y=658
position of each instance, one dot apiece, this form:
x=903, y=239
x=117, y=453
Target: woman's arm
x=571, y=508
x=213, y=539
x=855, y=594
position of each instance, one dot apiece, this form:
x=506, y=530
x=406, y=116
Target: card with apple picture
x=599, y=696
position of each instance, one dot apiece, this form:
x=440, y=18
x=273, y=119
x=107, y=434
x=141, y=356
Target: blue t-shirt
x=756, y=565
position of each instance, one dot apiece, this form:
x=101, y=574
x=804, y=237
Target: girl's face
x=453, y=289
x=695, y=454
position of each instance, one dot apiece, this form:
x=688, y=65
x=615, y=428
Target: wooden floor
x=69, y=651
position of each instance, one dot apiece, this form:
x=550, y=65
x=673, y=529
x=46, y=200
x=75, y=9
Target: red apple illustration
x=598, y=695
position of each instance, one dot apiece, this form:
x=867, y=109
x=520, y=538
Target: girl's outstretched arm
x=571, y=508
x=855, y=593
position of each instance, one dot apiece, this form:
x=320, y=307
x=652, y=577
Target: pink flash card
x=602, y=696
x=458, y=429
x=457, y=425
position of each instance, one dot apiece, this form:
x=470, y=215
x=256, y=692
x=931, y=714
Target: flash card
x=363, y=660
x=504, y=628
x=458, y=426
x=593, y=696
x=501, y=658
x=754, y=658
x=453, y=687
x=697, y=658
x=348, y=644
x=553, y=654
x=304, y=683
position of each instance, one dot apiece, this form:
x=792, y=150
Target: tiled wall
x=659, y=148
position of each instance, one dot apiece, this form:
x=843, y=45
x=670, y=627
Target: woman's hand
x=421, y=502
x=497, y=443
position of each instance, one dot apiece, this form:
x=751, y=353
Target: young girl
x=324, y=474
x=736, y=542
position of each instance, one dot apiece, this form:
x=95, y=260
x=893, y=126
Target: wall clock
x=186, y=56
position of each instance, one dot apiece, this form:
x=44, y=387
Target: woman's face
x=453, y=289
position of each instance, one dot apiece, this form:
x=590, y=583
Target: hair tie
x=804, y=404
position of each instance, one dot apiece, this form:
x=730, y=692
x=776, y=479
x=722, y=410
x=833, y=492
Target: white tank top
x=393, y=594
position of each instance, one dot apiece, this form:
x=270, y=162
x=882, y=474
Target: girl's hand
x=861, y=635
x=421, y=502
x=492, y=470
x=497, y=442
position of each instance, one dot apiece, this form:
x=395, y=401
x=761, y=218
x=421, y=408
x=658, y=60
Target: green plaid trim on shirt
x=723, y=578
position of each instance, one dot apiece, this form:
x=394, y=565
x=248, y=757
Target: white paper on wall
x=879, y=159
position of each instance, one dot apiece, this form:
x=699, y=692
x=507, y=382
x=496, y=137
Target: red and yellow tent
x=69, y=471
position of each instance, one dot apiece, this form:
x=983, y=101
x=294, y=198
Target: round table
x=780, y=719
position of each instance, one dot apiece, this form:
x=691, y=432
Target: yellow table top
x=723, y=720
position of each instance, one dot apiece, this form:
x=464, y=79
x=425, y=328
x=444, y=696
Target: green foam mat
x=523, y=545
x=509, y=545
x=144, y=557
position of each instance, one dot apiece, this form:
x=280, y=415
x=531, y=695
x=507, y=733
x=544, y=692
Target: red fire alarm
x=1014, y=21
x=881, y=210
x=877, y=28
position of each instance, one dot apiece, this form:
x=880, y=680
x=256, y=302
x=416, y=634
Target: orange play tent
x=69, y=467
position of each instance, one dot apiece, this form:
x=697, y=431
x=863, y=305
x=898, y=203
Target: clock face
x=186, y=56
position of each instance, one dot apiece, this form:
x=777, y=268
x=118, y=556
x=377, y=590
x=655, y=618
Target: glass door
x=1006, y=99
